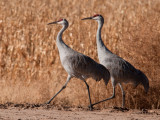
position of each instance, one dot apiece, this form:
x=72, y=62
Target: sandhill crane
x=76, y=64
x=121, y=71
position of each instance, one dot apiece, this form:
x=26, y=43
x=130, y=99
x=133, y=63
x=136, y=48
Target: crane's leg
x=68, y=79
x=123, y=96
x=113, y=96
x=91, y=107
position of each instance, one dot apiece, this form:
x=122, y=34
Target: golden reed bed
x=30, y=69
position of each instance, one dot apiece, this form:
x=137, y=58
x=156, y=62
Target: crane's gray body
x=120, y=70
x=78, y=65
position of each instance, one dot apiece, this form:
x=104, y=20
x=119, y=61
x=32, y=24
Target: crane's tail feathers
x=144, y=80
x=101, y=72
x=106, y=77
x=104, y=74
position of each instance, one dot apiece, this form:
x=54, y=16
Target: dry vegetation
x=30, y=69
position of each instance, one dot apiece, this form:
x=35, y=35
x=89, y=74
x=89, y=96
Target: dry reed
x=30, y=69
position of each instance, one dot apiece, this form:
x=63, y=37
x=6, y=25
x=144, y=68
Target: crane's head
x=61, y=22
x=96, y=17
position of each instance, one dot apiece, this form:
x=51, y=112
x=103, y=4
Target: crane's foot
x=90, y=107
x=124, y=109
x=47, y=103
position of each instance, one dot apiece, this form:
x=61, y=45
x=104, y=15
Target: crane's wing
x=118, y=67
x=87, y=67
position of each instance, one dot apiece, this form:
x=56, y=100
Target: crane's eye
x=60, y=20
x=96, y=15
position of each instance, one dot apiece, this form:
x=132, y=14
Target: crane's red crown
x=96, y=15
x=60, y=20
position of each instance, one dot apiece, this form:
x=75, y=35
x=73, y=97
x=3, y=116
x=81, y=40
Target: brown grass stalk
x=30, y=69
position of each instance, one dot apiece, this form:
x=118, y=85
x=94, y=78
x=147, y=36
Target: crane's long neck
x=60, y=44
x=100, y=43
x=102, y=49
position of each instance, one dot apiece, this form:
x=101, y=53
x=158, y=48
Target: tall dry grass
x=30, y=69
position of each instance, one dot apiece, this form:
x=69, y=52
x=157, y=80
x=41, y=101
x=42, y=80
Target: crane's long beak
x=88, y=18
x=52, y=23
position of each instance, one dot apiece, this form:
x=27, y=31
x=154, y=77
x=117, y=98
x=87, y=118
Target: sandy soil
x=49, y=112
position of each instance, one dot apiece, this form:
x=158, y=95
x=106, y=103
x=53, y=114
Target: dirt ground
x=49, y=112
